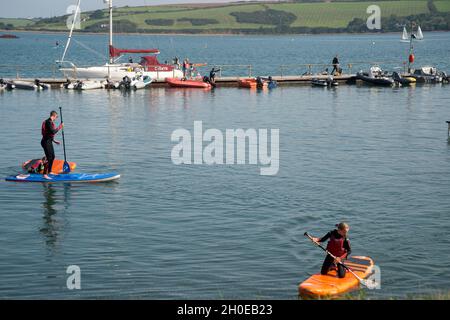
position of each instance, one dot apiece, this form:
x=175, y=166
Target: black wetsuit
x=48, y=133
x=335, y=65
x=329, y=261
x=212, y=74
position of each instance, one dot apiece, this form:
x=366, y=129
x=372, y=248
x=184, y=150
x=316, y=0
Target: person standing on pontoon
x=335, y=65
x=186, y=68
x=212, y=74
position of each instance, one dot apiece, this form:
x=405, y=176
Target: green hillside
x=279, y=17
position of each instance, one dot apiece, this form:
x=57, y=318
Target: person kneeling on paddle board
x=339, y=246
x=49, y=130
x=35, y=166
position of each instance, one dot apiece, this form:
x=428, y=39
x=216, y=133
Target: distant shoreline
x=208, y=34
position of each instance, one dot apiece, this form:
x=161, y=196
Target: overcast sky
x=50, y=8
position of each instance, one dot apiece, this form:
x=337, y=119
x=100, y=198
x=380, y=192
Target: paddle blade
x=370, y=284
x=66, y=167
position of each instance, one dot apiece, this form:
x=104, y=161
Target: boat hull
x=195, y=84
x=116, y=73
x=383, y=82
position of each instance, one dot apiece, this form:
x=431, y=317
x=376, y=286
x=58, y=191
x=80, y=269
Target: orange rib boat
x=180, y=83
x=250, y=83
x=328, y=286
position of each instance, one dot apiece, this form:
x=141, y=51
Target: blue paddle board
x=70, y=177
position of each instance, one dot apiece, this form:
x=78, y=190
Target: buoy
x=411, y=58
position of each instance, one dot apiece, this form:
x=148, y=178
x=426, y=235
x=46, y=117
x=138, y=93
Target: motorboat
x=6, y=85
x=403, y=80
x=36, y=85
x=138, y=82
x=329, y=82
x=257, y=83
x=376, y=77
x=84, y=84
x=428, y=75
x=188, y=83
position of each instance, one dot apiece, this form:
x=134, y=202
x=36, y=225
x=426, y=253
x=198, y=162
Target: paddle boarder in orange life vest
x=339, y=246
x=49, y=130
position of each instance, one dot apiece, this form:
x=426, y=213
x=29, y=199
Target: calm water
x=375, y=157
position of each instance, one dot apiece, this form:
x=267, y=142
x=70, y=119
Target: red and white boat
x=148, y=66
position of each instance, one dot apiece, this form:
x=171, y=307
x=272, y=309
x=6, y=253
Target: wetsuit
x=335, y=65
x=212, y=74
x=48, y=134
x=337, y=246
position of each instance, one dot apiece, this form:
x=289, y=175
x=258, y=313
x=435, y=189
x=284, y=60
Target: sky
x=51, y=8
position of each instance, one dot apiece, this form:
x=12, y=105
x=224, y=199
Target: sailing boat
x=149, y=66
x=419, y=34
x=406, y=36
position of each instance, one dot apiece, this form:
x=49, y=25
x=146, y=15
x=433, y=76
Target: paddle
x=66, y=166
x=368, y=284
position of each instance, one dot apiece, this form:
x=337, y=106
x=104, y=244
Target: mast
x=411, y=47
x=77, y=10
x=110, y=2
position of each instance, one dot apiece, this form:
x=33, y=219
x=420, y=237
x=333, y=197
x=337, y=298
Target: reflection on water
x=52, y=224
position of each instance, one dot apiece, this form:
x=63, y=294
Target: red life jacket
x=336, y=246
x=44, y=130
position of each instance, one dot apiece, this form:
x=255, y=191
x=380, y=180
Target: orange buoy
x=411, y=58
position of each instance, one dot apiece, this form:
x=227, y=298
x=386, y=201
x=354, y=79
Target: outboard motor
x=259, y=82
x=126, y=83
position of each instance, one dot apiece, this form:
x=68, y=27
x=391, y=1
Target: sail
x=405, y=34
x=419, y=34
x=114, y=52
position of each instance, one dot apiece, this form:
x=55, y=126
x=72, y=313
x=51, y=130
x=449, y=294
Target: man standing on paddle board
x=339, y=246
x=49, y=130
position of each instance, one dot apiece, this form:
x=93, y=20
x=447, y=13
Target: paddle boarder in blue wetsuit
x=49, y=130
x=339, y=246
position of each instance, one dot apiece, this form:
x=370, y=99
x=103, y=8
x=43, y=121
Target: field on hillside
x=236, y=16
x=442, y=5
x=16, y=22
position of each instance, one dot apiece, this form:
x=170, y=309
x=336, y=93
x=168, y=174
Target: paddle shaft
x=334, y=257
x=64, y=142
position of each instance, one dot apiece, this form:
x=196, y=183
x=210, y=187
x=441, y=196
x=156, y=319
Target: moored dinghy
x=181, y=83
x=138, y=82
x=375, y=76
x=428, y=75
x=329, y=82
x=6, y=85
x=28, y=85
x=403, y=80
